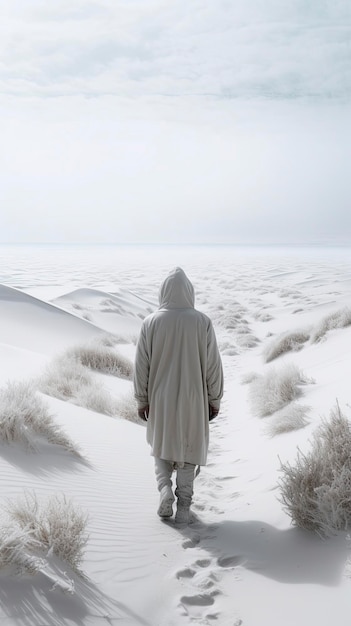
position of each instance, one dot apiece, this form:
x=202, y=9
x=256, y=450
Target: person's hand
x=144, y=413
x=212, y=412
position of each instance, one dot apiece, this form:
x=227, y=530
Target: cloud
x=224, y=49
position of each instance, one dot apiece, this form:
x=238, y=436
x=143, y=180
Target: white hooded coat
x=178, y=373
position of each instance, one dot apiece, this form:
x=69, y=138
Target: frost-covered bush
x=291, y=417
x=87, y=317
x=110, y=340
x=67, y=379
x=229, y=318
x=273, y=390
x=64, y=377
x=248, y=378
x=14, y=545
x=263, y=317
x=230, y=352
x=103, y=359
x=95, y=398
x=316, y=491
x=285, y=342
x=338, y=319
x=127, y=407
x=37, y=529
x=247, y=340
x=25, y=415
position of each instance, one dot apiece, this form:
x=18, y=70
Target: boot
x=164, y=471
x=182, y=517
x=184, y=493
x=165, y=508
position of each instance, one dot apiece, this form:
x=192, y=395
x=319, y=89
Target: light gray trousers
x=184, y=479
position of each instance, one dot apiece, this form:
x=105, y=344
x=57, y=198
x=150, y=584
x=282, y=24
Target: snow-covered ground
x=241, y=561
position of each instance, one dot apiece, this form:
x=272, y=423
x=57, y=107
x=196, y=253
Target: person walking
x=178, y=386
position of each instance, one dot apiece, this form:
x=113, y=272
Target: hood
x=176, y=291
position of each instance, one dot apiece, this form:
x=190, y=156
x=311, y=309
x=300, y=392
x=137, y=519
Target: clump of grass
x=67, y=379
x=338, y=319
x=96, y=398
x=246, y=340
x=273, y=390
x=64, y=377
x=285, y=342
x=109, y=340
x=263, y=317
x=316, y=490
x=24, y=415
x=14, y=544
x=127, y=407
x=37, y=529
x=248, y=378
x=291, y=417
x=103, y=359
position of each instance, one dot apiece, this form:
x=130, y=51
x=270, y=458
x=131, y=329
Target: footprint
x=234, y=495
x=207, y=583
x=186, y=573
x=230, y=561
x=214, y=495
x=199, y=507
x=203, y=562
x=191, y=543
x=201, y=599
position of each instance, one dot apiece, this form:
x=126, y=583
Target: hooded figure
x=178, y=384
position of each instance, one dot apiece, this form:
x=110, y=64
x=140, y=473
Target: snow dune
x=241, y=562
x=30, y=323
x=120, y=309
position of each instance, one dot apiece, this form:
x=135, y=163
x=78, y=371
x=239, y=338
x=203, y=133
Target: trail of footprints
x=201, y=578
x=204, y=578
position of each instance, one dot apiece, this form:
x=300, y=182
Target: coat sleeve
x=141, y=370
x=214, y=378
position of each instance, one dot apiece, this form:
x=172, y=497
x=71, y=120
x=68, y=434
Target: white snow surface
x=241, y=562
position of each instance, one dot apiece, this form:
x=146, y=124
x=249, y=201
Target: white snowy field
x=241, y=561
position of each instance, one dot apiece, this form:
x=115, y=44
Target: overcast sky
x=175, y=121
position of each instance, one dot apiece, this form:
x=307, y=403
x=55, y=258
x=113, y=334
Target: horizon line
x=172, y=243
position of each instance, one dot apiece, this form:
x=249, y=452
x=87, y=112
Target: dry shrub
x=263, y=317
x=248, y=378
x=338, y=319
x=316, y=491
x=229, y=318
x=230, y=352
x=14, y=544
x=291, y=417
x=103, y=359
x=37, y=529
x=64, y=377
x=247, y=340
x=285, y=342
x=127, y=407
x=95, y=398
x=273, y=390
x=109, y=340
x=67, y=379
x=24, y=414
